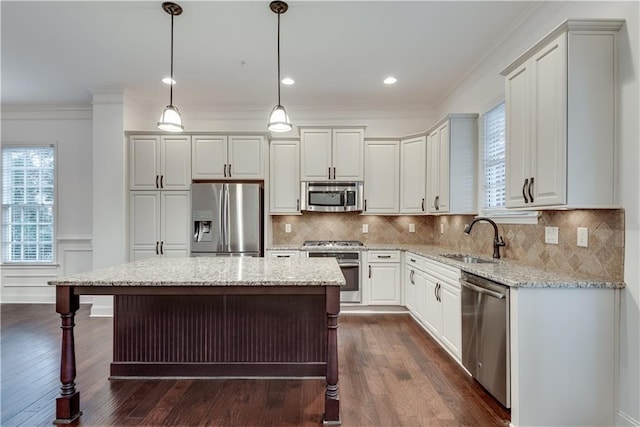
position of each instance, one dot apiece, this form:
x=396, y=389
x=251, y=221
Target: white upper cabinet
x=328, y=154
x=413, y=175
x=451, y=165
x=382, y=177
x=284, y=177
x=159, y=162
x=560, y=116
x=228, y=157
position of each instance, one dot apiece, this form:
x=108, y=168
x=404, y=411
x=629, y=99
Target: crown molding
x=47, y=112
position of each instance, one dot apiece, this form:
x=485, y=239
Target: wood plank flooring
x=391, y=374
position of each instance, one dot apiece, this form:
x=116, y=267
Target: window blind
x=28, y=180
x=494, y=158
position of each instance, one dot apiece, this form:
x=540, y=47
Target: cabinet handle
x=384, y=256
x=329, y=172
x=224, y=170
x=411, y=277
x=161, y=181
x=365, y=205
x=283, y=256
x=298, y=205
x=229, y=169
x=334, y=172
x=439, y=295
x=157, y=177
x=157, y=250
x=524, y=186
x=436, y=203
x=161, y=248
x=422, y=205
x=435, y=291
x=412, y=260
x=530, y=190
x=369, y=272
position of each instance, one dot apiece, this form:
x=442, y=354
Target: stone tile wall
x=525, y=243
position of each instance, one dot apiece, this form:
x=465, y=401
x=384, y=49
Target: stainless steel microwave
x=331, y=196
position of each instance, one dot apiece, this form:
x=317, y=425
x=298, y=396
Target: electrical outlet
x=365, y=228
x=551, y=235
x=412, y=228
x=287, y=228
x=583, y=237
x=441, y=228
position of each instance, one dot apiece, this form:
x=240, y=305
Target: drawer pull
x=384, y=256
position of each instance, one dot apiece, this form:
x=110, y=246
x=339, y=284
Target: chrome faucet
x=497, y=241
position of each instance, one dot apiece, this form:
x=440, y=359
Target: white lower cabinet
x=159, y=224
x=432, y=295
x=382, y=276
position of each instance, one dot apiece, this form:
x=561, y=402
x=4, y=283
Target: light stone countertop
x=509, y=272
x=210, y=271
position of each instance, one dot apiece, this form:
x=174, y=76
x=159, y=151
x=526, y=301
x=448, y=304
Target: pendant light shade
x=279, y=119
x=170, y=120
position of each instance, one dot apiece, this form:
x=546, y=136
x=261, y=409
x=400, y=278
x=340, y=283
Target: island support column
x=332, y=401
x=68, y=404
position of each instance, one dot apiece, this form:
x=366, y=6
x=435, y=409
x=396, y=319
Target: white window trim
x=500, y=216
x=54, y=259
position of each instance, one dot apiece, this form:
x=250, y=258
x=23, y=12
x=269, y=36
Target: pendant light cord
x=171, y=85
x=279, y=58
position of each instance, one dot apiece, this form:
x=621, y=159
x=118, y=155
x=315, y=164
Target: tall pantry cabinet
x=159, y=196
x=560, y=99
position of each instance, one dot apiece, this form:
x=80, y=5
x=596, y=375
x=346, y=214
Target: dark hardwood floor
x=391, y=374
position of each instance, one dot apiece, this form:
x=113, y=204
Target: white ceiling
x=57, y=53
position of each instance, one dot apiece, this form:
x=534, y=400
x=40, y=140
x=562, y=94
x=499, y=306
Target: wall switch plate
x=287, y=228
x=551, y=235
x=412, y=228
x=365, y=228
x=583, y=237
x=441, y=228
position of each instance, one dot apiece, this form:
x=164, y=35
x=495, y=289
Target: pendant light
x=279, y=119
x=170, y=119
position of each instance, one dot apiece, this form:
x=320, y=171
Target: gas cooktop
x=330, y=243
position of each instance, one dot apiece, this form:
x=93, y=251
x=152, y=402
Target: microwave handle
x=346, y=196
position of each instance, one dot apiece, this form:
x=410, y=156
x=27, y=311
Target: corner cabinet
x=332, y=154
x=284, y=177
x=451, y=165
x=159, y=162
x=159, y=224
x=413, y=175
x=381, y=177
x=560, y=101
x=227, y=157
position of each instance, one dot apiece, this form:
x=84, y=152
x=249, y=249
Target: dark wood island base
x=211, y=331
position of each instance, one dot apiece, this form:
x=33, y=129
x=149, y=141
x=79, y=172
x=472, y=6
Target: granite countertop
x=509, y=272
x=209, y=271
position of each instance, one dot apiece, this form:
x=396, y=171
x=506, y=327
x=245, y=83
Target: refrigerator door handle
x=226, y=218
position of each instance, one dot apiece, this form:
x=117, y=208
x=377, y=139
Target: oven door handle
x=348, y=264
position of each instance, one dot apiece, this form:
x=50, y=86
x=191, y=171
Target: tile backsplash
x=603, y=258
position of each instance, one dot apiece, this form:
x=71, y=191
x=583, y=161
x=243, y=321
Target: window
x=28, y=203
x=494, y=175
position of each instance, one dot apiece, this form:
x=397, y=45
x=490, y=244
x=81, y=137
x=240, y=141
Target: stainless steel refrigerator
x=226, y=219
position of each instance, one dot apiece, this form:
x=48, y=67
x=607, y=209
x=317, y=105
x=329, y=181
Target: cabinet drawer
x=283, y=254
x=415, y=261
x=384, y=256
x=443, y=272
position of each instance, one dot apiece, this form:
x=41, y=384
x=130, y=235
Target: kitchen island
x=211, y=317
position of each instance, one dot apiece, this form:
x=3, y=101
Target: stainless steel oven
x=348, y=260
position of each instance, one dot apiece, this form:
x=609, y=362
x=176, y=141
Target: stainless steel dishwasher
x=485, y=334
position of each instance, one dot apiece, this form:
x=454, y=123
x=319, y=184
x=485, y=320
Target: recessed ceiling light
x=168, y=81
x=288, y=81
x=390, y=80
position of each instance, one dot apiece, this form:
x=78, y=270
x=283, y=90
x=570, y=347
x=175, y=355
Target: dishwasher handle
x=482, y=290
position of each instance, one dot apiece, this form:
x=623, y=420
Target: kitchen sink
x=468, y=259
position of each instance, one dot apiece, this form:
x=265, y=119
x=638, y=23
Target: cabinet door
x=144, y=162
x=385, y=283
x=420, y=280
x=433, y=314
x=209, y=157
x=442, y=202
x=382, y=177
x=348, y=154
x=175, y=162
x=175, y=212
x=451, y=331
x=410, y=289
x=315, y=155
x=245, y=157
x=284, y=177
x=517, y=116
x=144, y=224
x=549, y=118
x=413, y=159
